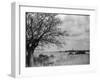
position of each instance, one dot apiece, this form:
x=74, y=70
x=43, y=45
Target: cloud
x=77, y=26
x=74, y=24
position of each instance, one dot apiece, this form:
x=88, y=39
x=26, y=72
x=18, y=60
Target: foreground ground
x=66, y=59
x=72, y=59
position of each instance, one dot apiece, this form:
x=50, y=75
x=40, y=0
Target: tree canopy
x=41, y=29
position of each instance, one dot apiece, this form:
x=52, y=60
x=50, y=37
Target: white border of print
x=18, y=41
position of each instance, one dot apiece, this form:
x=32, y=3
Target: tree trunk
x=30, y=58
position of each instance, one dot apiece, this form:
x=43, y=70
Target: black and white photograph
x=56, y=39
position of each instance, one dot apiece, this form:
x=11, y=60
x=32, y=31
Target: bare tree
x=41, y=29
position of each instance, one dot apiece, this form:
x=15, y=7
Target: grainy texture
x=54, y=39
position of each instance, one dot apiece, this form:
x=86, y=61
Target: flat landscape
x=63, y=58
x=72, y=59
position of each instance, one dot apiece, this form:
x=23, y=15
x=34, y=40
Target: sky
x=77, y=28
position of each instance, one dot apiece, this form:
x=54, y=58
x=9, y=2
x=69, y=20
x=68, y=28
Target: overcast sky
x=77, y=26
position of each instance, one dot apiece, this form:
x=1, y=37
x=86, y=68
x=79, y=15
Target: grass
x=64, y=58
x=72, y=59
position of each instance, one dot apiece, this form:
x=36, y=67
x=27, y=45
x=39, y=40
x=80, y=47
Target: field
x=72, y=59
x=63, y=58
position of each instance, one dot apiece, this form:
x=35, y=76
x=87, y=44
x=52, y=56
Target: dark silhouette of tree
x=41, y=29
